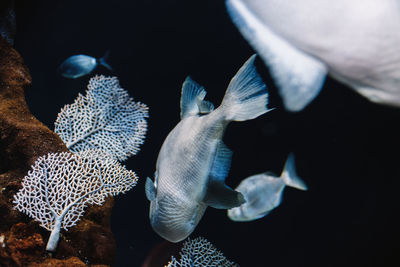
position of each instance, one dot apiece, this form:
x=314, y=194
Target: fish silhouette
x=79, y=65
x=357, y=42
x=193, y=161
x=263, y=192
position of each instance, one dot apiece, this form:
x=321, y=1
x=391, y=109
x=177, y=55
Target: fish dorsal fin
x=222, y=163
x=220, y=196
x=192, y=99
x=150, y=189
x=298, y=76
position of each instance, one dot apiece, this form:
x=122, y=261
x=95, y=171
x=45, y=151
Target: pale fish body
x=79, y=65
x=263, y=192
x=193, y=161
x=301, y=41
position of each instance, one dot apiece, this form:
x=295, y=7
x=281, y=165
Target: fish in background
x=357, y=42
x=193, y=161
x=263, y=192
x=8, y=26
x=79, y=65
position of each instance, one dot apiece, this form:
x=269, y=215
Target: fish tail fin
x=103, y=61
x=290, y=176
x=246, y=97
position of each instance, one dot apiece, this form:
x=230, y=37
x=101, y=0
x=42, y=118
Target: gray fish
x=356, y=41
x=193, y=161
x=263, y=192
x=79, y=65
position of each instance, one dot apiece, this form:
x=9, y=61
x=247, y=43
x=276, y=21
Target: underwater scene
x=199, y=133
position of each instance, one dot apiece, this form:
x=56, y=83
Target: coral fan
x=199, y=252
x=60, y=185
x=105, y=118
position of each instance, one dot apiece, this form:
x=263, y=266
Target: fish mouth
x=172, y=233
x=175, y=222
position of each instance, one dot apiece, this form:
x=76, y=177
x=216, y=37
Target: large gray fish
x=263, y=192
x=193, y=161
x=301, y=41
x=79, y=65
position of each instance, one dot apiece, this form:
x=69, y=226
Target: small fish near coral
x=193, y=161
x=357, y=42
x=263, y=192
x=79, y=65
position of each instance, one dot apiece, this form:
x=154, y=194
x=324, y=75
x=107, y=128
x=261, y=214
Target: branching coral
x=105, y=118
x=60, y=185
x=199, y=252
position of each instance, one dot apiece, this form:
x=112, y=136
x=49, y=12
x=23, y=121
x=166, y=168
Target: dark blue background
x=346, y=148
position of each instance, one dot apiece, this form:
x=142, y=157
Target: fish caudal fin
x=103, y=61
x=246, y=97
x=290, y=176
x=298, y=76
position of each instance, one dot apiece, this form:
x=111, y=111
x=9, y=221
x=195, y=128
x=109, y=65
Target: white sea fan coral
x=59, y=186
x=105, y=118
x=199, y=252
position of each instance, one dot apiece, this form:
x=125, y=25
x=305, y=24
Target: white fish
x=263, y=192
x=193, y=161
x=80, y=65
x=301, y=41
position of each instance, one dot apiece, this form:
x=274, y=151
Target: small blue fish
x=193, y=161
x=263, y=192
x=79, y=65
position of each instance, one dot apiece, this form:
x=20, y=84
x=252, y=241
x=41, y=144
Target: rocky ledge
x=22, y=140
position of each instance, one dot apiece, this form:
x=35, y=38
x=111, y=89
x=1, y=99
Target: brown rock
x=73, y=261
x=22, y=140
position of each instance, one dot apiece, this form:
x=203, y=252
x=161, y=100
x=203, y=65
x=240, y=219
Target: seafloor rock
x=22, y=140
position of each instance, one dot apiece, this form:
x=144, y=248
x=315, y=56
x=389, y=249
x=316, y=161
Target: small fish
x=193, y=161
x=357, y=42
x=79, y=65
x=263, y=192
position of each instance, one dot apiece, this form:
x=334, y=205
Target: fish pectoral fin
x=298, y=76
x=222, y=163
x=150, y=189
x=220, y=196
x=192, y=99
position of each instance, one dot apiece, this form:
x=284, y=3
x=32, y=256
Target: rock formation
x=22, y=140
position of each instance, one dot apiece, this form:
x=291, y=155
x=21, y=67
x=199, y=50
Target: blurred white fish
x=193, y=161
x=80, y=65
x=357, y=42
x=263, y=192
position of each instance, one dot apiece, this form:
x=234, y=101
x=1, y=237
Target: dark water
x=346, y=148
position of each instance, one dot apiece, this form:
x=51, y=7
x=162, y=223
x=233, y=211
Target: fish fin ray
x=220, y=196
x=103, y=61
x=298, y=76
x=290, y=176
x=150, y=189
x=192, y=99
x=246, y=97
x=222, y=163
